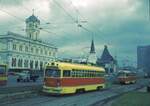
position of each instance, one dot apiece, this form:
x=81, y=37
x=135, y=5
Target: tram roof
x=76, y=66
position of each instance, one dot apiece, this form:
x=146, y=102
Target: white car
x=23, y=76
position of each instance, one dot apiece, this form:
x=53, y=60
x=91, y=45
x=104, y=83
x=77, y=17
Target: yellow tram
x=66, y=78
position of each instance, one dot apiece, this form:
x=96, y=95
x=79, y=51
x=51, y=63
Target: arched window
x=31, y=64
x=30, y=36
x=36, y=64
x=20, y=63
x=41, y=65
x=37, y=50
x=50, y=53
x=32, y=50
x=20, y=48
x=14, y=47
x=13, y=62
x=26, y=63
x=26, y=48
x=45, y=52
x=41, y=51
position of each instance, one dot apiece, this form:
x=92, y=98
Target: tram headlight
x=58, y=82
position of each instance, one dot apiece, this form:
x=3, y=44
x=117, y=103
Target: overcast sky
x=120, y=24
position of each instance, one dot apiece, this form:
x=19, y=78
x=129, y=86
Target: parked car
x=148, y=88
x=27, y=76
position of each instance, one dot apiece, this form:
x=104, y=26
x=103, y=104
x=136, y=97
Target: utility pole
x=149, y=10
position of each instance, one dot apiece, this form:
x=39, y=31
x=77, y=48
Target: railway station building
x=26, y=51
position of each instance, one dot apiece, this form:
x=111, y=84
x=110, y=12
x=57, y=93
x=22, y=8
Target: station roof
x=32, y=18
x=106, y=56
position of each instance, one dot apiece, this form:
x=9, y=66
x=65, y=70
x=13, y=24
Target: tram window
x=90, y=73
x=94, y=74
x=73, y=73
x=132, y=74
x=101, y=74
x=77, y=73
x=66, y=73
x=86, y=74
x=98, y=74
x=82, y=73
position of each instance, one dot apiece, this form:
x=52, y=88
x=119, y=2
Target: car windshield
x=121, y=74
x=2, y=70
x=24, y=71
x=52, y=73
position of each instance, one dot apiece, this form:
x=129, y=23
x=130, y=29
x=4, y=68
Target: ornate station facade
x=26, y=52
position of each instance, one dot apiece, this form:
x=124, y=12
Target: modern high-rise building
x=26, y=52
x=143, y=58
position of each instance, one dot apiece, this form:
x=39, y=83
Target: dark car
x=27, y=76
x=148, y=88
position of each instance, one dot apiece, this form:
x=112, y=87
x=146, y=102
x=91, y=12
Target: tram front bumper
x=52, y=90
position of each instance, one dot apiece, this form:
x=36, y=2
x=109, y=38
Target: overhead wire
x=11, y=15
x=64, y=10
x=78, y=12
x=74, y=20
x=22, y=20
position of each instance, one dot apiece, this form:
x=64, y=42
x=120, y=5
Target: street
x=12, y=82
x=85, y=99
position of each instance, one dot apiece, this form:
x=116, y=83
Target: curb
x=14, y=93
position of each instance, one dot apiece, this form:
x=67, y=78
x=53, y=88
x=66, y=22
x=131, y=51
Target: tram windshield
x=52, y=73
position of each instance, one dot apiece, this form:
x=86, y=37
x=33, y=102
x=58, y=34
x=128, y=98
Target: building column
x=23, y=60
x=28, y=64
x=33, y=64
x=17, y=62
x=38, y=64
x=10, y=44
x=9, y=61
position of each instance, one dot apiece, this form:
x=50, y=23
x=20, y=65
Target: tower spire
x=33, y=11
x=92, y=50
x=92, y=55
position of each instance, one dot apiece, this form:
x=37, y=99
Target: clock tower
x=32, y=27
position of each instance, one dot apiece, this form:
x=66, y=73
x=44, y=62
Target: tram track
x=41, y=98
x=73, y=100
x=108, y=101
